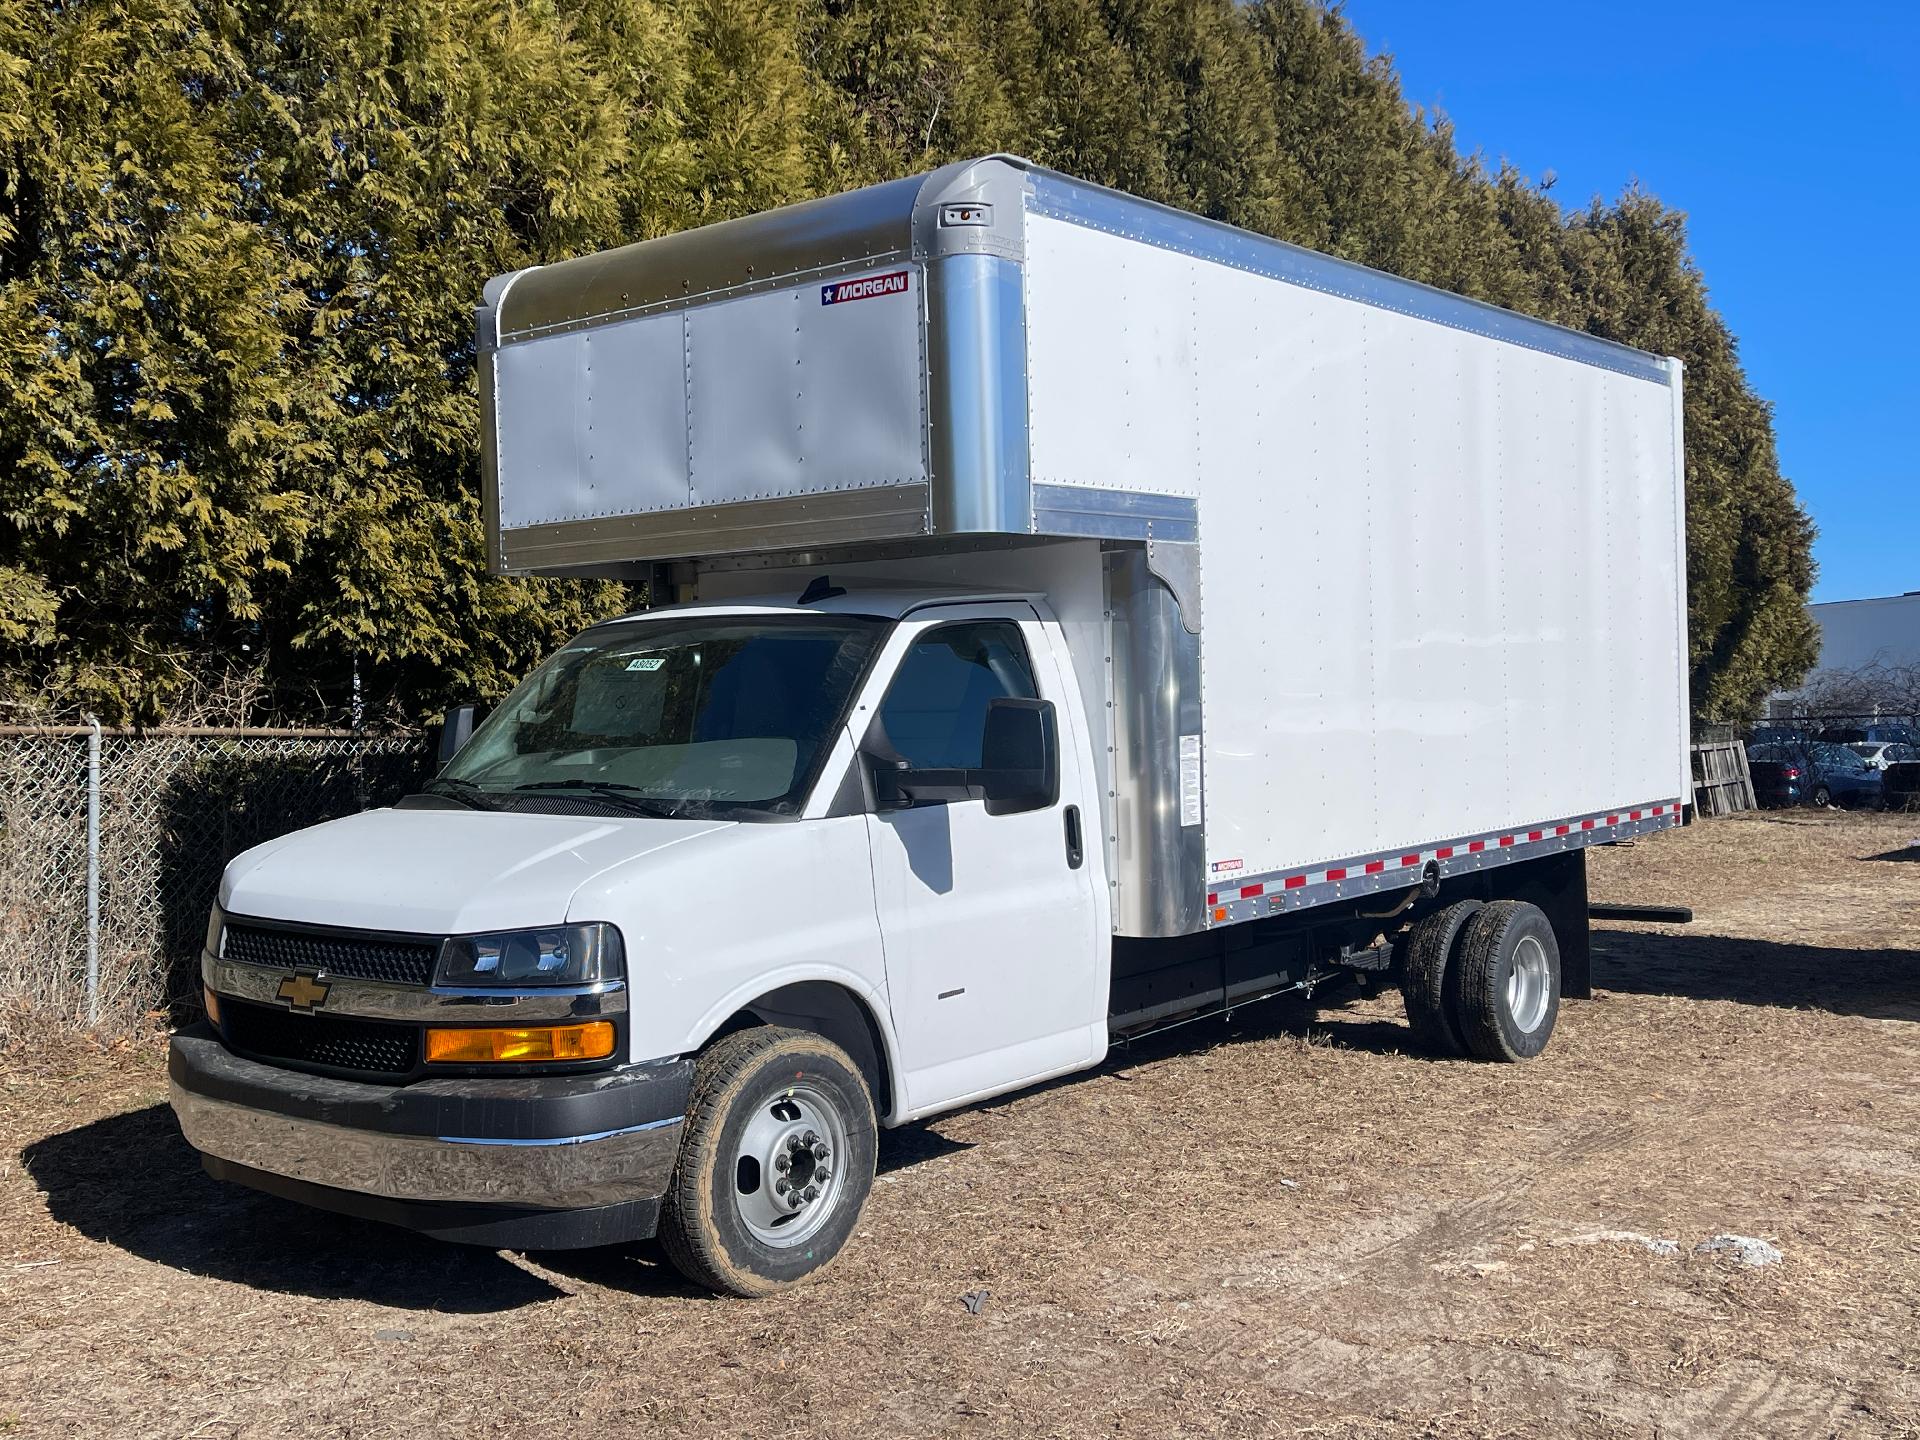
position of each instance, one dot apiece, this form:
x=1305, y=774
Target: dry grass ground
x=1282, y=1225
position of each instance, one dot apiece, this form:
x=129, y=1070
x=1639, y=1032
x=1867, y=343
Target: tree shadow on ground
x=133, y=1182
x=1881, y=984
x=1910, y=852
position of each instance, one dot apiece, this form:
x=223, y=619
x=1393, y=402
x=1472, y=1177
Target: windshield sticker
x=647, y=662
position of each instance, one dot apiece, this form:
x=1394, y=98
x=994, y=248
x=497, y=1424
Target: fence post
x=93, y=872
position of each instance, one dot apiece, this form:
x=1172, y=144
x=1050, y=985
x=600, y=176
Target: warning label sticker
x=865, y=288
x=1189, y=780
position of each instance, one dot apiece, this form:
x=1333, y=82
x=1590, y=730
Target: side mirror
x=1019, y=757
x=456, y=728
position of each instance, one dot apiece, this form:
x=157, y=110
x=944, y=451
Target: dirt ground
x=1279, y=1225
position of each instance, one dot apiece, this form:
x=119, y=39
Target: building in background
x=1861, y=634
x=1869, y=659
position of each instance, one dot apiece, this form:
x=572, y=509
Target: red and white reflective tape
x=1273, y=892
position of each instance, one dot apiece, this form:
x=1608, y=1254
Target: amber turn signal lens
x=591, y=1041
x=212, y=1002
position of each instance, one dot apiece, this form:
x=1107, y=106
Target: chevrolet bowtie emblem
x=303, y=992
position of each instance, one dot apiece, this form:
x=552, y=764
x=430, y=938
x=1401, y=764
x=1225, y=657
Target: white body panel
x=997, y=973
x=1441, y=569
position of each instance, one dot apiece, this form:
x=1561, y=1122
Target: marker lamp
x=216, y=929
x=552, y=955
x=491, y=1046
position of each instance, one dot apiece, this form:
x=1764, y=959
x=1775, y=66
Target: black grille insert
x=335, y=1042
x=360, y=957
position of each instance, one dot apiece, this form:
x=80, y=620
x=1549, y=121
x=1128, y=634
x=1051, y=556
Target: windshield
x=705, y=717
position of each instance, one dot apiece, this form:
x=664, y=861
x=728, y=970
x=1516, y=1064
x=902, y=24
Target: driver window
x=936, y=708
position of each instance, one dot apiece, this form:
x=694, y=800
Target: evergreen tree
x=240, y=243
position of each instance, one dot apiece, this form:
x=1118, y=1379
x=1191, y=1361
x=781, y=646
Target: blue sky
x=1790, y=134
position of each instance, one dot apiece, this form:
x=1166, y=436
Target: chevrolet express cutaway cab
x=713, y=893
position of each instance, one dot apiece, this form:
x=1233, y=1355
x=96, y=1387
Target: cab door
x=994, y=934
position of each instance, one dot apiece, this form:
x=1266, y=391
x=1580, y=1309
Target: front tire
x=1509, y=995
x=776, y=1159
x=1822, y=797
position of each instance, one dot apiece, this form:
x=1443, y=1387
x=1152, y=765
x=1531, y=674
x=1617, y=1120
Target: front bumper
x=531, y=1161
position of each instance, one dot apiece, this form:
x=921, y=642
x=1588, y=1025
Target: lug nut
x=820, y=1150
x=822, y=1174
x=813, y=1192
x=793, y=1142
x=796, y=1199
x=780, y=1187
x=810, y=1139
x=783, y=1163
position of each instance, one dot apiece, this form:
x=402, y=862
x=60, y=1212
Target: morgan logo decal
x=303, y=992
x=892, y=283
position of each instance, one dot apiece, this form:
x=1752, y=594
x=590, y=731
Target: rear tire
x=1428, y=963
x=726, y=1221
x=1509, y=988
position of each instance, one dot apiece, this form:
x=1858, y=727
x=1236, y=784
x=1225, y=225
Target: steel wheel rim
x=1527, y=985
x=779, y=1130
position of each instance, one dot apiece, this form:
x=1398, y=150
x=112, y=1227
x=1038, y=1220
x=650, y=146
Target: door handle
x=1076, y=853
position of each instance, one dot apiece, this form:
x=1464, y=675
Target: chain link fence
x=174, y=806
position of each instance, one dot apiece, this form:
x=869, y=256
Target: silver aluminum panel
x=592, y=424
x=1115, y=514
x=1157, y=844
x=977, y=395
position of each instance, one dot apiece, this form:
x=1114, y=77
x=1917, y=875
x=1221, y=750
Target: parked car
x=1812, y=774
x=1879, y=754
x=1886, y=733
x=1901, y=784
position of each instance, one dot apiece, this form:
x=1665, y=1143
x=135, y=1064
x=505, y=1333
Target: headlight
x=216, y=929
x=555, y=955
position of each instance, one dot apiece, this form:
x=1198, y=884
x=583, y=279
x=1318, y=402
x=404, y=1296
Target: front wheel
x=1822, y=797
x=776, y=1159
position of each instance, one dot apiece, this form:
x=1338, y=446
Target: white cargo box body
x=1392, y=579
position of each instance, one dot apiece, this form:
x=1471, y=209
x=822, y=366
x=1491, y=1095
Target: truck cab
x=862, y=818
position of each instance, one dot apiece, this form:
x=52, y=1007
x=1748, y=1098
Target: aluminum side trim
x=1081, y=510
x=1234, y=897
x=879, y=512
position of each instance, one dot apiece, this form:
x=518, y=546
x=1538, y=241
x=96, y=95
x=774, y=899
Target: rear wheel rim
x=1529, y=985
x=789, y=1167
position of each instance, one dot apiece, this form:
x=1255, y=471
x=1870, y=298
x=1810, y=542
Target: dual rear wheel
x=1482, y=980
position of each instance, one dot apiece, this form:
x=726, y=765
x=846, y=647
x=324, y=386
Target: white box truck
x=1083, y=616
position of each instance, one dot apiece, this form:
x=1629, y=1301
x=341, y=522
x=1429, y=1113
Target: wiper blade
x=631, y=796
x=465, y=791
